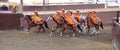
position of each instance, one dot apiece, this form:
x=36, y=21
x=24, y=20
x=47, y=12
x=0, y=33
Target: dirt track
x=19, y=40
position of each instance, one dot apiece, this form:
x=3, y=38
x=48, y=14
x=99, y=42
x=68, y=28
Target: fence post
x=117, y=20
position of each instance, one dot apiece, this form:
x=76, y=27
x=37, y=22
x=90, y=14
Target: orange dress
x=57, y=18
x=77, y=18
x=37, y=19
x=95, y=19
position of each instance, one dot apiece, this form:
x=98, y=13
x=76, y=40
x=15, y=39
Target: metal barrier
x=116, y=35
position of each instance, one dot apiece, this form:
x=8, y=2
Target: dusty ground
x=19, y=40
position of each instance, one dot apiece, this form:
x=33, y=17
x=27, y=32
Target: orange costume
x=57, y=16
x=69, y=19
x=37, y=19
x=95, y=19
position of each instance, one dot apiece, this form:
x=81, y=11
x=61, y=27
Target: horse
x=61, y=24
x=66, y=27
x=93, y=28
x=56, y=25
x=83, y=23
x=32, y=24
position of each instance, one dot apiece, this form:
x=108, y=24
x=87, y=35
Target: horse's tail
x=46, y=25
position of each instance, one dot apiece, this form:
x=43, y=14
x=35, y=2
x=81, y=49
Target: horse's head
x=49, y=18
x=28, y=17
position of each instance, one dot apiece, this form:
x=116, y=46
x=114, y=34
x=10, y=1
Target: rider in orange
x=95, y=19
x=70, y=20
x=77, y=15
x=57, y=16
x=37, y=19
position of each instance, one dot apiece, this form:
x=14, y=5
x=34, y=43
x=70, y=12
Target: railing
x=116, y=35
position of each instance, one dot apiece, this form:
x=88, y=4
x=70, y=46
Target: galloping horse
x=56, y=21
x=81, y=19
x=93, y=23
x=61, y=23
x=69, y=24
x=33, y=24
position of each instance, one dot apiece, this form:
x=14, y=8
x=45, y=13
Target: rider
x=36, y=19
x=95, y=19
x=78, y=16
x=70, y=19
x=88, y=19
x=57, y=17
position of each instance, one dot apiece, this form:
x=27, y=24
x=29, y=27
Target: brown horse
x=61, y=24
x=32, y=24
x=56, y=25
x=93, y=28
x=66, y=27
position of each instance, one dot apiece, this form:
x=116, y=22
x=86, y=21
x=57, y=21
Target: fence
x=116, y=35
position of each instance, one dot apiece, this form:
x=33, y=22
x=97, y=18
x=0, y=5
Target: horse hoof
x=67, y=36
x=79, y=31
x=98, y=32
x=27, y=30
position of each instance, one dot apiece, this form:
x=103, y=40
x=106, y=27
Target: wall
x=10, y=21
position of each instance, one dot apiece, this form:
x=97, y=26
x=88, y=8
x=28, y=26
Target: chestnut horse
x=32, y=24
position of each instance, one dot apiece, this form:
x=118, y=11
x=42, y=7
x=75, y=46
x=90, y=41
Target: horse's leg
x=30, y=25
x=43, y=28
x=97, y=29
x=73, y=35
x=63, y=31
x=78, y=26
x=52, y=30
x=94, y=30
x=39, y=29
x=57, y=30
x=66, y=34
x=88, y=29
